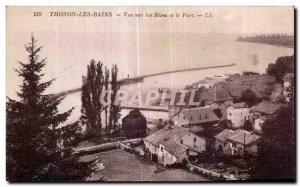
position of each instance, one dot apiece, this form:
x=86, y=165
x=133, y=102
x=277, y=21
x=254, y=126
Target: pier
x=138, y=79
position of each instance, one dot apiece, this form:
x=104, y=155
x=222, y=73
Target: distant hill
x=281, y=40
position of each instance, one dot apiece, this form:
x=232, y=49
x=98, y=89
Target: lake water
x=208, y=51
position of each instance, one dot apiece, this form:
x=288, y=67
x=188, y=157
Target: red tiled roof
x=168, y=137
x=266, y=107
x=221, y=94
x=214, y=94
x=244, y=137
x=239, y=136
x=224, y=134
x=200, y=115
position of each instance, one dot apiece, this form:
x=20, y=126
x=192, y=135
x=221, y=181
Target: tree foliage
x=114, y=110
x=36, y=145
x=96, y=83
x=276, y=150
x=283, y=65
x=134, y=124
x=106, y=84
x=91, y=106
x=249, y=97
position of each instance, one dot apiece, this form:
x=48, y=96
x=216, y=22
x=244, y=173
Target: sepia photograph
x=150, y=94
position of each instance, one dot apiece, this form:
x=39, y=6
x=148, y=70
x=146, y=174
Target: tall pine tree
x=36, y=145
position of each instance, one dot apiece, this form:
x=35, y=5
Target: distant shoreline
x=279, y=41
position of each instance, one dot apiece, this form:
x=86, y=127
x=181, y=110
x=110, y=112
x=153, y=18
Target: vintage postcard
x=150, y=94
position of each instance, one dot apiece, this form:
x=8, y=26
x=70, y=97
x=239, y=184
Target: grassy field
x=123, y=166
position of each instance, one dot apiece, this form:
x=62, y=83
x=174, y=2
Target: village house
x=287, y=82
x=173, y=110
x=265, y=108
x=195, y=119
x=203, y=83
x=261, y=112
x=238, y=142
x=173, y=144
x=238, y=113
x=258, y=123
x=216, y=96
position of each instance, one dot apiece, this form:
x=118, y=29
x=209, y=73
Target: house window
x=229, y=114
x=195, y=139
x=233, y=144
x=181, y=141
x=162, y=149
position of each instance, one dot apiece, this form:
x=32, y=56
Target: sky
x=137, y=45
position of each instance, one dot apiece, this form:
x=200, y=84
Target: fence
x=208, y=172
x=105, y=147
x=124, y=147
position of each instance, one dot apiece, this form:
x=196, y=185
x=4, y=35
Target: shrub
x=184, y=163
x=134, y=125
x=250, y=73
x=195, y=171
x=174, y=165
